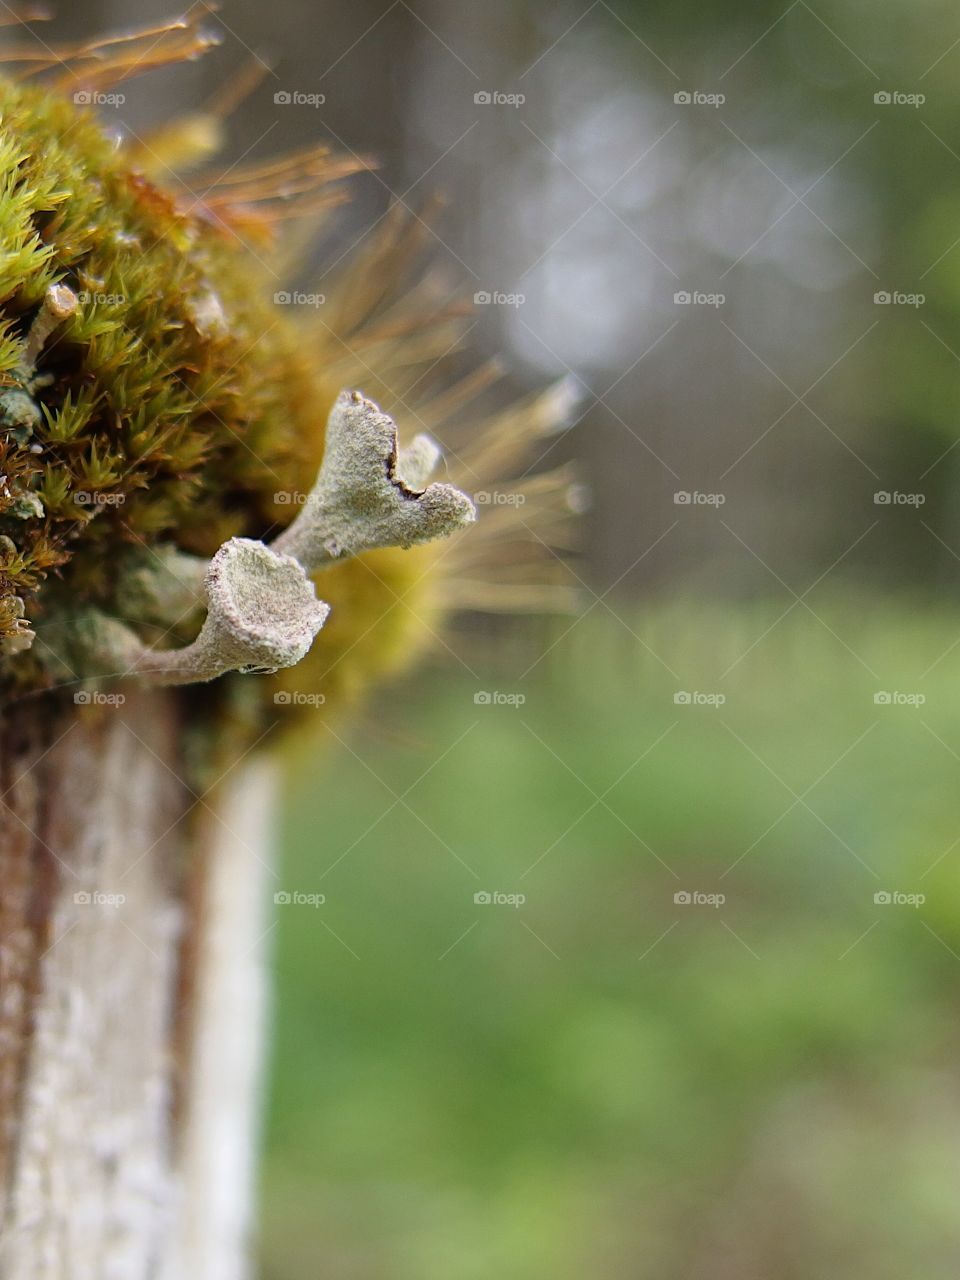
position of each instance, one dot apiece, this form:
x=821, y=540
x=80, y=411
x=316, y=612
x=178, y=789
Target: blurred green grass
x=603, y=1081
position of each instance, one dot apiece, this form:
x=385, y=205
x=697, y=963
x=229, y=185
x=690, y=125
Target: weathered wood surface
x=129, y=952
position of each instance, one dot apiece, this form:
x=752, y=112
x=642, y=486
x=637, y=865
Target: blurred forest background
x=718, y=1037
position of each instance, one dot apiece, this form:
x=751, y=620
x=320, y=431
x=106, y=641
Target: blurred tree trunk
x=129, y=999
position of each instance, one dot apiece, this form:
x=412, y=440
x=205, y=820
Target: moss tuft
x=154, y=401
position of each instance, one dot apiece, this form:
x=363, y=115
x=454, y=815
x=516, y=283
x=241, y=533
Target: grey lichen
x=59, y=303
x=262, y=614
x=362, y=499
x=419, y=460
x=161, y=585
x=19, y=412
x=262, y=610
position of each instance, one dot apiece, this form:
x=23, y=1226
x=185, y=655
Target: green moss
x=155, y=402
x=170, y=408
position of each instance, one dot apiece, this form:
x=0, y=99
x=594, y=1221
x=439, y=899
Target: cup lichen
x=156, y=401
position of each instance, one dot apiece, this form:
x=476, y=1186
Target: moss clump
x=172, y=405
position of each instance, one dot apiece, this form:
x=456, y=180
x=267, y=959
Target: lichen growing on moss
x=173, y=406
x=154, y=423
